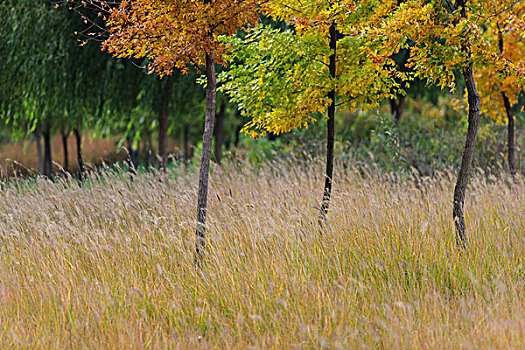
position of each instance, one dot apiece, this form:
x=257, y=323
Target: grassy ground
x=110, y=265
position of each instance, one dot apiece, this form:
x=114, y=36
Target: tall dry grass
x=110, y=264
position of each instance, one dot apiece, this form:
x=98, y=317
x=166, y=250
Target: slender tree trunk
x=510, y=117
x=133, y=154
x=211, y=94
x=397, y=106
x=163, y=123
x=219, y=132
x=186, y=140
x=48, y=161
x=150, y=157
x=80, y=159
x=510, y=135
x=466, y=161
x=330, y=128
x=38, y=138
x=65, y=136
x=238, y=134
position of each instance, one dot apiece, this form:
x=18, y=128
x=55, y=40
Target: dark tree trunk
x=510, y=135
x=219, y=132
x=238, y=132
x=38, y=139
x=48, y=161
x=510, y=117
x=186, y=140
x=163, y=124
x=65, y=137
x=330, y=128
x=150, y=155
x=397, y=106
x=466, y=161
x=80, y=159
x=211, y=94
x=133, y=154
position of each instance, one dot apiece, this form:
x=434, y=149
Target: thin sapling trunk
x=65, y=137
x=466, y=160
x=163, y=124
x=510, y=117
x=202, y=197
x=186, y=141
x=510, y=135
x=38, y=139
x=80, y=158
x=330, y=128
x=219, y=132
x=48, y=161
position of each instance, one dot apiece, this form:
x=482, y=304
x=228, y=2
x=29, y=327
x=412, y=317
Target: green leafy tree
x=287, y=79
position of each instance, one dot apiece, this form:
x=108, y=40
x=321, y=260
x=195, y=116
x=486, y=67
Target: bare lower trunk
x=330, y=128
x=397, y=106
x=48, y=161
x=38, y=139
x=510, y=135
x=466, y=161
x=238, y=131
x=150, y=156
x=211, y=93
x=80, y=159
x=163, y=124
x=510, y=116
x=133, y=154
x=65, y=137
x=219, y=132
x=186, y=140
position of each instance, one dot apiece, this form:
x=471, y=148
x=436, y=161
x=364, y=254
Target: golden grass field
x=110, y=265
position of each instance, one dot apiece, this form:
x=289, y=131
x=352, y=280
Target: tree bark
x=48, y=161
x=397, y=106
x=163, y=123
x=510, y=135
x=510, y=117
x=133, y=154
x=330, y=125
x=466, y=161
x=80, y=159
x=211, y=94
x=65, y=136
x=150, y=157
x=38, y=138
x=186, y=140
x=219, y=132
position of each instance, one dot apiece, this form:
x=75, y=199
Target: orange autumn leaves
x=175, y=34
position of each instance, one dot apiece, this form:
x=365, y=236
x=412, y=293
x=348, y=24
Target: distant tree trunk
x=510, y=117
x=219, y=132
x=80, y=159
x=48, y=161
x=238, y=134
x=330, y=128
x=510, y=135
x=186, y=140
x=150, y=156
x=202, y=199
x=133, y=154
x=163, y=123
x=65, y=136
x=397, y=106
x=466, y=161
x=38, y=138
